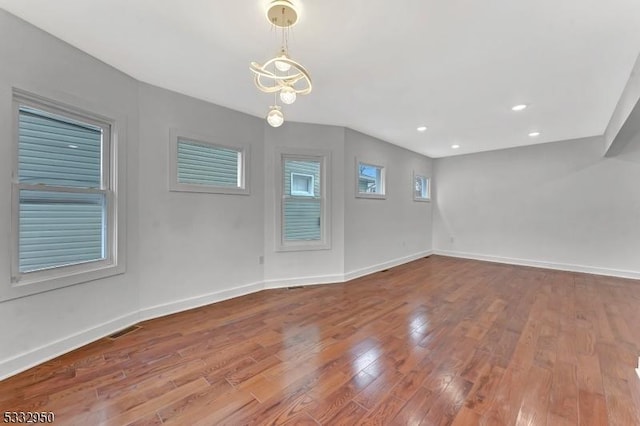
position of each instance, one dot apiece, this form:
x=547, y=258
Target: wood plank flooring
x=436, y=341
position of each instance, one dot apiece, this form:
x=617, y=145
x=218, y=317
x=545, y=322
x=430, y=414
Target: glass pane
x=421, y=187
x=310, y=168
x=59, y=229
x=56, y=151
x=204, y=164
x=302, y=203
x=369, y=179
x=302, y=219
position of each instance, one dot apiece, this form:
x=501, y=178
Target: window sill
x=42, y=281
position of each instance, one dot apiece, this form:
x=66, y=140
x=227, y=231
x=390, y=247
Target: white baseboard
x=26, y=360
x=303, y=281
x=385, y=265
x=541, y=264
x=197, y=301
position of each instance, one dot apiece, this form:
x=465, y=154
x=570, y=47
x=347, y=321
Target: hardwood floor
x=436, y=341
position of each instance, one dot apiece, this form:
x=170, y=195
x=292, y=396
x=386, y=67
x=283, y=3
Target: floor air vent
x=123, y=332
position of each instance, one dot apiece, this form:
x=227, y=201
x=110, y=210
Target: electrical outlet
x=452, y=240
x=261, y=260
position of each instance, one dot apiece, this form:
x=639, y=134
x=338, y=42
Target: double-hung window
x=64, y=204
x=303, y=221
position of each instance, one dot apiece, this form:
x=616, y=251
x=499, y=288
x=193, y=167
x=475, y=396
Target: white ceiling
x=380, y=67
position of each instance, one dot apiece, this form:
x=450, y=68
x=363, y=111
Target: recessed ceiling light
x=455, y=146
x=534, y=134
x=73, y=146
x=519, y=107
x=422, y=129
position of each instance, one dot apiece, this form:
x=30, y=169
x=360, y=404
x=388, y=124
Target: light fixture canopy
x=519, y=107
x=281, y=74
x=422, y=129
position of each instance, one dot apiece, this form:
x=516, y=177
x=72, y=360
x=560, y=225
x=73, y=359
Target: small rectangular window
x=421, y=188
x=370, y=180
x=302, y=184
x=201, y=166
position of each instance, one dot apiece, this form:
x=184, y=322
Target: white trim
x=382, y=195
x=244, y=168
x=542, y=264
x=304, y=281
x=348, y=276
x=29, y=359
x=198, y=301
x=114, y=172
x=427, y=181
x=324, y=157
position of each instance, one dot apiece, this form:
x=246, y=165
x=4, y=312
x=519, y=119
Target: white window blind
x=302, y=202
x=62, y=203
x=207, y=164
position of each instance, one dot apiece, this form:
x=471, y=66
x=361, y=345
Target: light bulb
x=283, y=66
x=287, y=95
x=275, y=118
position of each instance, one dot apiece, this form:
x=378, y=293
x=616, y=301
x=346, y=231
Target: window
x=302, y=184
x=65, y=210
x=421, y=188
x=303, y=222
x=370, y=180
x=201, y=166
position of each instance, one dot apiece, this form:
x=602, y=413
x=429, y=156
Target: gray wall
x=561, y=205
x=388, y=231
x=46, y=324
x=284, y=268
x=195, y=244
x=183, y=249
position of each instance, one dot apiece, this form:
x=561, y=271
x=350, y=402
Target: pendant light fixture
x=281, y=75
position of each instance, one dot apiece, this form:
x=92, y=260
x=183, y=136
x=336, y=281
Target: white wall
x=560, y=205
x=286, y=268
x=383, y=233
x=37, y=327
x=183, y=249
x=195, y=245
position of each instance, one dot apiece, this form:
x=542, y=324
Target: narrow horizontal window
x=200, y=166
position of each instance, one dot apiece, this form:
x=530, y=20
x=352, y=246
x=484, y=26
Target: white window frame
x=383, y=180
x=303, y=193
x=27, y=283
x=243, y=172
x=324, y=157
x=427, y=181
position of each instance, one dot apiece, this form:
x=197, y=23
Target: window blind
x=204, y=164
x=302, y=214
x=59, y=224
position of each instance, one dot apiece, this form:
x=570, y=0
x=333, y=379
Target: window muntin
x=421, y=188
x=370, y=180
x=64, y=214
x=198, y=165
